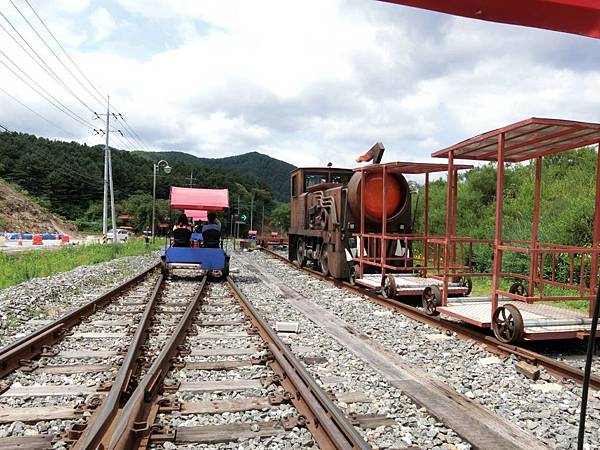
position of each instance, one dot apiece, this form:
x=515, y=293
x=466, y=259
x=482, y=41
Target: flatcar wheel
x=519, y=288
x=301, y=253
x=352, y=274
x=465, y=282
x=507, y=324
x=432, y=298
x=324, y=260
x=388, y=286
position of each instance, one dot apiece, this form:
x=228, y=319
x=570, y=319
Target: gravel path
x=51, y=297
x=548, y=408
x=343, y=372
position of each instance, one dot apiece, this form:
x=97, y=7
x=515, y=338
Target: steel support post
x=426, y=224
x=448, y=228
x=497, y=269
x=362, y=224
x=383, y=223
x=535, y=226
x=595, y=238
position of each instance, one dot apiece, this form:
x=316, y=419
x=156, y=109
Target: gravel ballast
x=50, y=297
x=343, y=372
x=548, y=408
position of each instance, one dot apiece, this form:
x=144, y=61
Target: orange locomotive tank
x=325, y=213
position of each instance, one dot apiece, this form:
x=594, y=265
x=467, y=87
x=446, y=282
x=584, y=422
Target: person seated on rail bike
x=211, y=232
x=198, y=227
x=182, y=232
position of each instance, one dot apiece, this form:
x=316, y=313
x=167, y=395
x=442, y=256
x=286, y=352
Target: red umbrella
x=571, y=16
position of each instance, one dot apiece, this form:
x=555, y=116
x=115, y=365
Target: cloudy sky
x=306, y=81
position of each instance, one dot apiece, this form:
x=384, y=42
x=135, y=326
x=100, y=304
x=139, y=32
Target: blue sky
x=308, y=82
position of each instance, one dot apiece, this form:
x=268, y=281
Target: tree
x=280, y=216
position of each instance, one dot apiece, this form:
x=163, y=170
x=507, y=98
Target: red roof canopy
x=197, y=214
x=413, y=168
x=526, y=139
x=199, y=199
x=571, y=16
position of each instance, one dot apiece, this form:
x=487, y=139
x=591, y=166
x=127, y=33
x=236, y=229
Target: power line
x=4, y=128
x=135, y=137
x=63, y=108
x=69, y=57
x=39, y=61
x=34, y=112
x=132, y=131
x=55, y=55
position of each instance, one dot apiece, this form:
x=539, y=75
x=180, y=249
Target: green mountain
x=67, y=177
x=275, y=173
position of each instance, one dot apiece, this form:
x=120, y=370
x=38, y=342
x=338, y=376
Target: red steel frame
x=544, y=142
x=380, y=239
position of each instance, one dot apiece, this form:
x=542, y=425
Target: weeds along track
x=162, y=363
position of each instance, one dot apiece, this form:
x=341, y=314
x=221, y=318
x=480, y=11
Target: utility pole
x=262, y=225
x=110, y=174
x=192, y=178
x=237, y=228
x=105, y=197
x=251, y=210
x=108, y=178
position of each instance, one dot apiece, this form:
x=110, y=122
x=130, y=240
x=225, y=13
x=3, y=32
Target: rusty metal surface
x=555, y=367
x=132, y=425
x=103, y=417
x=328, y=425
x=32, y=345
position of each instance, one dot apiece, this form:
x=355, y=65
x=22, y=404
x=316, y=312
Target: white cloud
x=103, y=24
x=313, y=81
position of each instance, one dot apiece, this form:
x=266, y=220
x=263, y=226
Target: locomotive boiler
x=326, y=211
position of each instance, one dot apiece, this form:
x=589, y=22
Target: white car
x=122, y=235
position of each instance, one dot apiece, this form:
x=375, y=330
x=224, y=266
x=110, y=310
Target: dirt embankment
x=18, y=213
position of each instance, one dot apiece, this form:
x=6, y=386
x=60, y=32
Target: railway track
x=126, y=369
x=552, y=365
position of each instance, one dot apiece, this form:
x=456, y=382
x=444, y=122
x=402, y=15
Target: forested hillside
x=67, y=177
x=567, y=203
x=275, y=173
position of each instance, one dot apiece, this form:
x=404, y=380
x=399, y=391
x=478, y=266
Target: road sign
x=243, y=217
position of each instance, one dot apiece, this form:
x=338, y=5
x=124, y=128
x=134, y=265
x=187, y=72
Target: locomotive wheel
x=301, y=253
x=507, y=324
x=352, y=274
x=519, y=288
x=464, y=282
x=432, y=298
x=388, y=286
x=324, y=260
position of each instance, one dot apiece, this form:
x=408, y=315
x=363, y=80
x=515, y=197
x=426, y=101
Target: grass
x=21, y=267
x=482, y=287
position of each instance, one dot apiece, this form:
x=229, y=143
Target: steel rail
x=327, y=423
x=555, y=367
x=103, y=417
x=32, y=345
x=132, y=424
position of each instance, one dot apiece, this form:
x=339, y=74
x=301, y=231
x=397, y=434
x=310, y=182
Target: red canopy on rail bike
x=197, y=214
x=196, y=203
x=199, y=199
x=569, y=16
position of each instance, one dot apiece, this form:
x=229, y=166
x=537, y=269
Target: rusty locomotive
x=326, y=213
